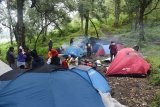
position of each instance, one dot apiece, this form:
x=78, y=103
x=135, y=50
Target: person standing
x=10, y=57
x=89, y=49
x=50, y=44
x=113, y=50
x=71, y=41
x=21, y=58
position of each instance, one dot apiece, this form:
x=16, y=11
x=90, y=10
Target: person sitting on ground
x=55, y=60
x=70, y=60
x=10, y=57
x=21, y=58
x=28, y=58
x=113, y=50
x=59, y=50
x=136, y=47
x=37, y=60
x=49, y=53
x=65, y=64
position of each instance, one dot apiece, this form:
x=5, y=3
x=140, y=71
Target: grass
x=156, y=101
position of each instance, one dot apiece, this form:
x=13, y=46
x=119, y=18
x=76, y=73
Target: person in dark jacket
x=37, y=60
x=113, y=50
x=136, y=47
x=55, y=60
x=28, y=58
x=71, y=41
x=89, y=49
x=10, y=57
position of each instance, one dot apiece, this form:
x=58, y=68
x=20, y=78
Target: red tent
x=128, y=61
x=119, y=46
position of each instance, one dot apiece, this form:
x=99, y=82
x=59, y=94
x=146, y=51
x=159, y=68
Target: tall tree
x=116, y=12
x=10, y=22
x=143, y=4
x=86, y=9
x=140, y=8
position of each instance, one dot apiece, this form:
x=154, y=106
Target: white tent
x=4, y=68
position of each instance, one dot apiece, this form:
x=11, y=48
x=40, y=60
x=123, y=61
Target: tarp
x=128, y=61
x=43, y=88
x=75, y=51
x=4, y=68
x=103, y=50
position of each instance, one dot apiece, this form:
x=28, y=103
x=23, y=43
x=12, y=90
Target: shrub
x=156, y=100
x=154, y=78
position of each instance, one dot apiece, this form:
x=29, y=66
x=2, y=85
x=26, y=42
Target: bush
x=154, y=77
x=156, y=100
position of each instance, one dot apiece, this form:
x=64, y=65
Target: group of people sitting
x=26, y=59
x=65, y=61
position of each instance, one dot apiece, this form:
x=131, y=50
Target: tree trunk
x=82, y=23
x=141, y=26
x=60, y=30
x=86, y=25
x=44, y=24
x=45, y=30
x=20, y=28
x=43, y=33
x=10, y=22
x=136, y=21
x=117, y=12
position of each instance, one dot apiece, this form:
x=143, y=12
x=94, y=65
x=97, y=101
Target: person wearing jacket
x=113, y=50
x=21, y=58
x=10, y=57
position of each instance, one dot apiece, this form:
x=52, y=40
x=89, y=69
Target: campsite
x=79, y=53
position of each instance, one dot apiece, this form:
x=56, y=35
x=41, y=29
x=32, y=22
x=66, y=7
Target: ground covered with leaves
x=133, y=92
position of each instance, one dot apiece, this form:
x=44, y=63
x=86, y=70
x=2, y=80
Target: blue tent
x=49, y=86
x=95, y=47
x=75, y=51
x=93, y=77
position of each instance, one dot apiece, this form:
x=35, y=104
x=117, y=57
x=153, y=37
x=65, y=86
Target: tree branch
x=154, y=8
x=52, y=21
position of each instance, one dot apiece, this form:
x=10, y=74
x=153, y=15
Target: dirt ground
x=130, y=91
x=133, y=92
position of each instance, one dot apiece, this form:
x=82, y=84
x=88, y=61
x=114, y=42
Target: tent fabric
x=103, y=50
x=95, y=47
x=128, y=61
x=119, y=46
x=4, y=68
x=62, y=88
x=75, y=51
x=93, y=77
